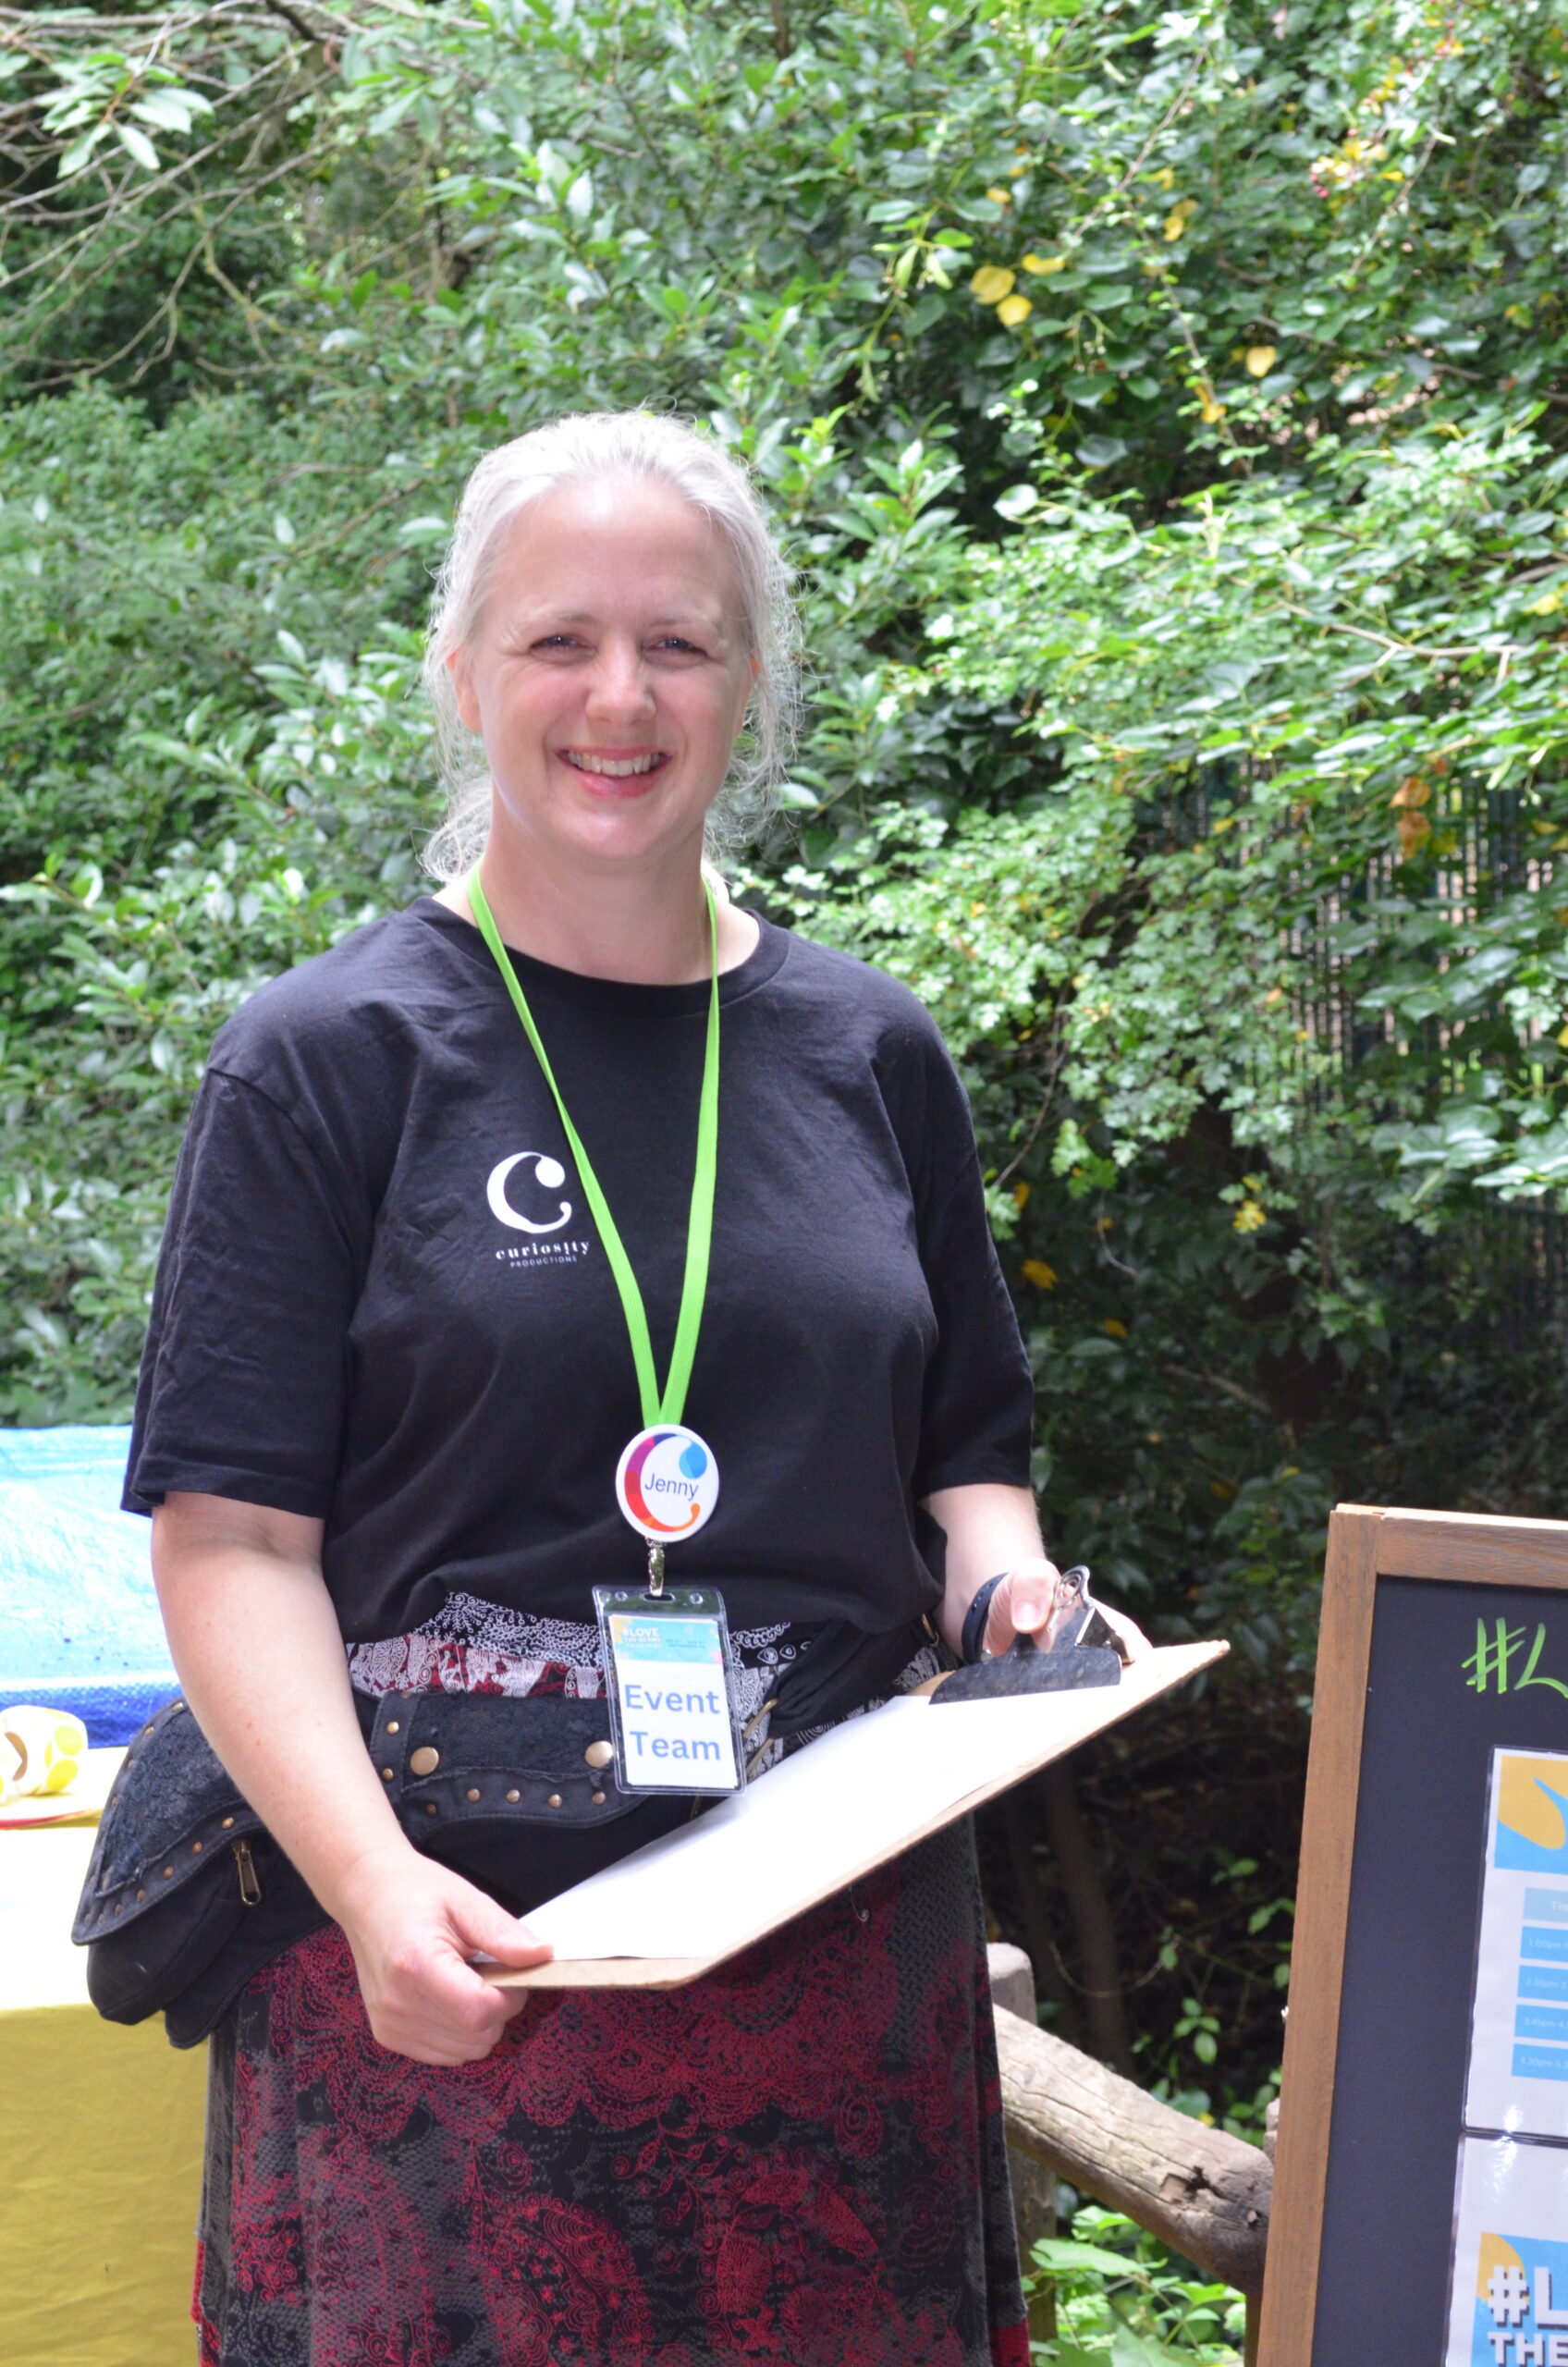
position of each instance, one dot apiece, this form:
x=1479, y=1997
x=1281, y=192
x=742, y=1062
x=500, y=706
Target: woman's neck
x=644, y=931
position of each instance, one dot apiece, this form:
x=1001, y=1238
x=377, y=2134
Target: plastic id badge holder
x=667, y=1672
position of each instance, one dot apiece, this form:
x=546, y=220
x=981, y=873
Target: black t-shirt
x=382, y=1300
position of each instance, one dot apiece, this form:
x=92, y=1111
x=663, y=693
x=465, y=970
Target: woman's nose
x=622, y=683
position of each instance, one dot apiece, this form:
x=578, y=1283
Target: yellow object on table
x=103, y=2156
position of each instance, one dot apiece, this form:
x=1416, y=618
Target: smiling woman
x=607, y=674
x=393, y=1450
x=613, y=455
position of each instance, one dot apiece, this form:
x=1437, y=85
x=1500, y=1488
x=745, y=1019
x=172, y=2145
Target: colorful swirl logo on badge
x=666, y=1483
x=1531, y=1814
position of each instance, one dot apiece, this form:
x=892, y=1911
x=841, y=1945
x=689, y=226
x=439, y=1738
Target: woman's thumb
x=482, y=1924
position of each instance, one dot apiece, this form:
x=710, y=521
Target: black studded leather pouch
x=188, y=1896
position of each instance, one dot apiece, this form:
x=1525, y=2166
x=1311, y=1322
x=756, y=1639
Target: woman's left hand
x=1022, y=1603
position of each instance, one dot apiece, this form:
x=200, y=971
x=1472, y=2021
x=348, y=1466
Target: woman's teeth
x=612, y=767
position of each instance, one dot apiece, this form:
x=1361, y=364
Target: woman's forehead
x=617, y=541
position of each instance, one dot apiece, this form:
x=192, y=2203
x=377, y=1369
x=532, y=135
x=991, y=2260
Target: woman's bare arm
x=258, y=1651
x=991, y=1527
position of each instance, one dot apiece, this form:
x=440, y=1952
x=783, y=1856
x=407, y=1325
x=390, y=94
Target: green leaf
x=137, y=146
x=80, y=150
x=1057, y=2254
x=171, y=110
x=1129, y=2349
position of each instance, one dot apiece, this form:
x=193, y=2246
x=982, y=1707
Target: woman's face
x=609, y=676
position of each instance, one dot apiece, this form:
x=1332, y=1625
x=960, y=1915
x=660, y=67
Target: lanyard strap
x=670, y=1406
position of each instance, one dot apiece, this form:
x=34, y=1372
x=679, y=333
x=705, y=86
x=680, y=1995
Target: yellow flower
x=1000, y=196
x=1013, y=310
x=1249, y=1217
x=1116, y=1331
x=991, y=283
x=1209, y=412
x=1179, y=216
x=1260, y=360
x=1547, y=606
x=1021, y=1196
x=1166, y=176
x=1035, y=1270
x=1045, y=264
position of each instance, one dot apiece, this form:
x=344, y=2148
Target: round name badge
x=666, y=1482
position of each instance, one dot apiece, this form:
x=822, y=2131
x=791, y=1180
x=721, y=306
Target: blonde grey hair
x=594, y=446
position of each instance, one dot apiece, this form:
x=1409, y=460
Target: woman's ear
x=462, y=688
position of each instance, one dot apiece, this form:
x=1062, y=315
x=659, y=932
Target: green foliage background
x=1165, y=410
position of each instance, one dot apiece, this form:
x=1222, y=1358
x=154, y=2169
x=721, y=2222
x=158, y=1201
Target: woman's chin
x=641, y=827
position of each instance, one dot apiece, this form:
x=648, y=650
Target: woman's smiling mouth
x=615, y=767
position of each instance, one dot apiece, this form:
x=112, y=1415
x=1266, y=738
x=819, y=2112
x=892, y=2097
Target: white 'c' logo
x=549, y=1171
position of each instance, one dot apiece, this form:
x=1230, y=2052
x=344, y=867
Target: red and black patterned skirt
x=798, y=2162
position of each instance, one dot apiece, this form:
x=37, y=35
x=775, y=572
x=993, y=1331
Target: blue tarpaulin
x=78, y=1620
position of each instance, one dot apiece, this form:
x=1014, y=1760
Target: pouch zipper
x=250, y=1881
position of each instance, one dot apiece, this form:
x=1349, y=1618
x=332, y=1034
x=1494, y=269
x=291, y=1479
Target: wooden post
x=1033, y=2182
x=1205, y=2193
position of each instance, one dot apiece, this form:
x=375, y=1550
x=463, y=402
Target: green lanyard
x=669, y=1406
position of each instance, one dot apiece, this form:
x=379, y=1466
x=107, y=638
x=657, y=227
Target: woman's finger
x=1021, y=1603
x=1137, y=1644
x=481, y=1923
x=1027, y=1599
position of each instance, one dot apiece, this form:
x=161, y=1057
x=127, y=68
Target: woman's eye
x=674, y=643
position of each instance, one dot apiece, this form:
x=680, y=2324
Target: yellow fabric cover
x=100, y=2171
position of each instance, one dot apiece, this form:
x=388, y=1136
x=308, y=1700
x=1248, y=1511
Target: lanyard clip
x=655, y=1570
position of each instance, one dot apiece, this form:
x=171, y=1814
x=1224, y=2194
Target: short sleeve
x=978, y=1405
x=243, y=1384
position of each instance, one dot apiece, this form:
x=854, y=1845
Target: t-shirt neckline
x=545, y=978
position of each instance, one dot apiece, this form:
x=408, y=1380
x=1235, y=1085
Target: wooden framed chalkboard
x=1421, y=2179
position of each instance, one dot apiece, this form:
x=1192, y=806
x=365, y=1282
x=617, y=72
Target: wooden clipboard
x=838, y=1849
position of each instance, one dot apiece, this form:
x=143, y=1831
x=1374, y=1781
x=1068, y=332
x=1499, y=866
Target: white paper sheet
x=840, y=1806
x=1518, y=2077
x=1509, y=2305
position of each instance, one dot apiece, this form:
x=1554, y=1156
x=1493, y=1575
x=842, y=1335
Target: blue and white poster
x=1518, y=2078
x=1510, y=2300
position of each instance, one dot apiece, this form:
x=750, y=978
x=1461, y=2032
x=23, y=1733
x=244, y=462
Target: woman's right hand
x=226, y=1570
x=414, y=1927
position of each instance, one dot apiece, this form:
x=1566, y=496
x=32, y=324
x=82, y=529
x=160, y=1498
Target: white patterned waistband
x=471, y=1646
